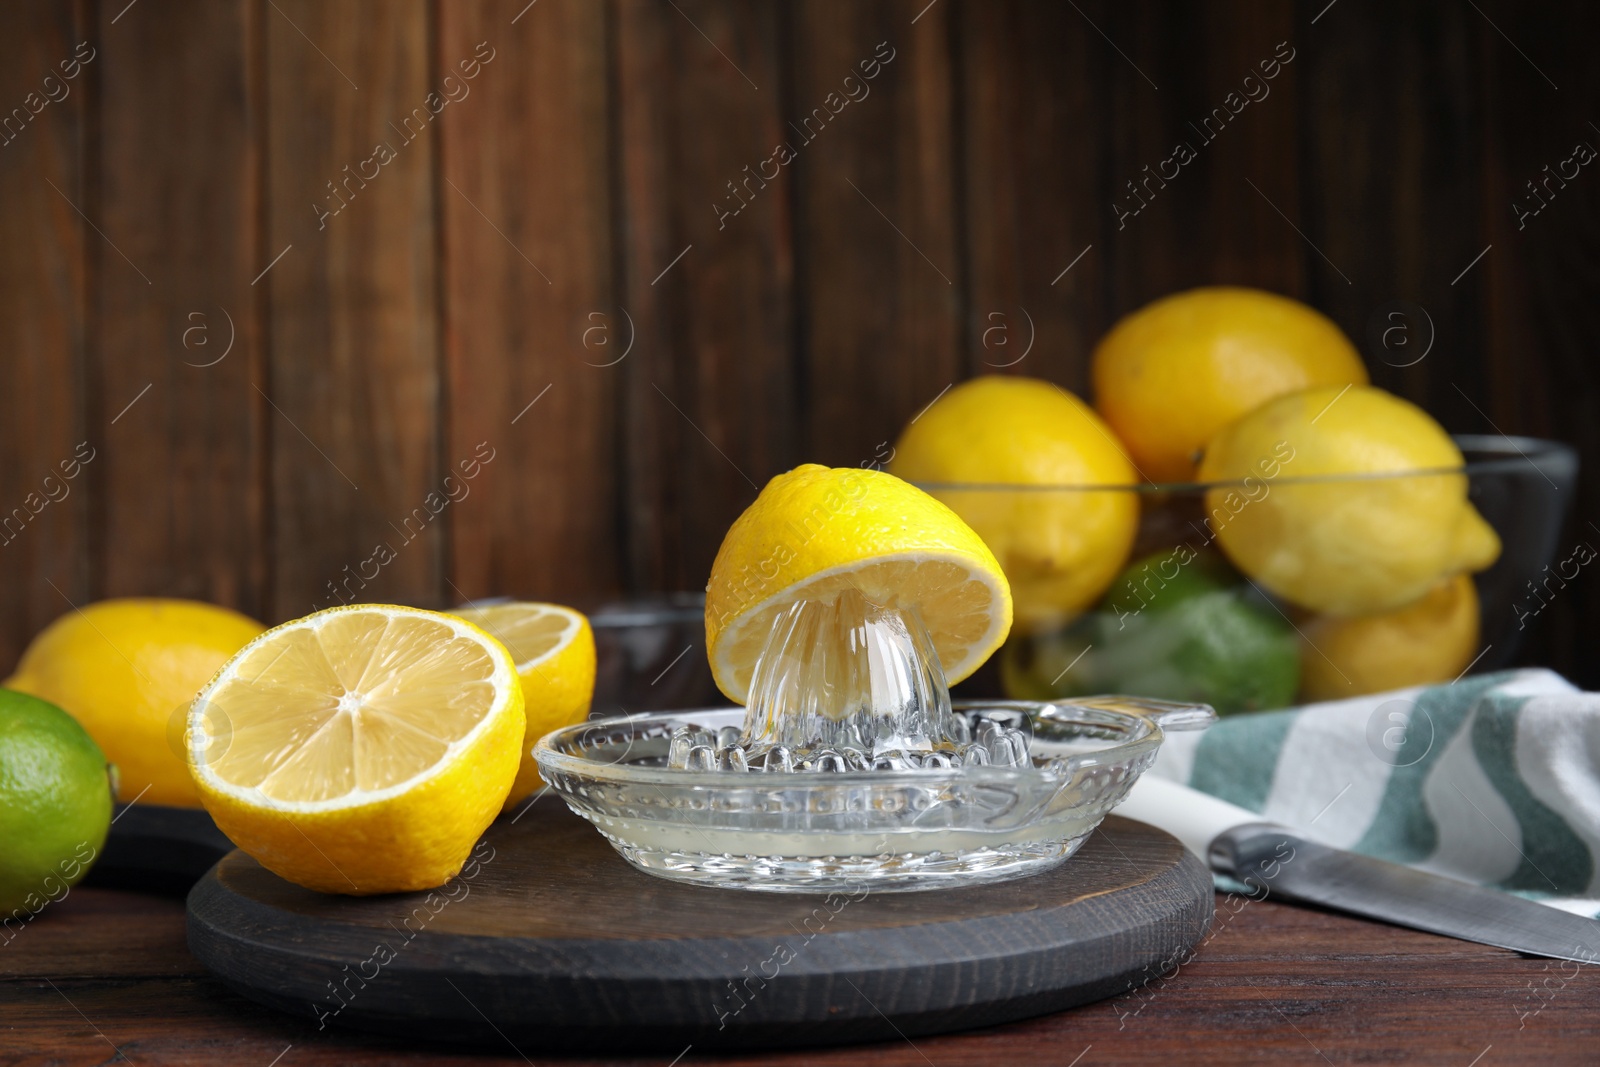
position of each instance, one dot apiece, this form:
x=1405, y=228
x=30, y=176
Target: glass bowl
x=1158, y=608
x=818, y=831
x=650, y=655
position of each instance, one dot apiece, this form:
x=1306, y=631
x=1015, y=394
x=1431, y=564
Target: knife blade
x=1272, y=859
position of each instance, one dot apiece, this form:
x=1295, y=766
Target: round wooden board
x=155, y=849
x=552, y=941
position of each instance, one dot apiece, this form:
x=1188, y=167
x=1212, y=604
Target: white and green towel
x=1493, y=779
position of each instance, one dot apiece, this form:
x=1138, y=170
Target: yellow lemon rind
x=565, y=694
x=504, y=681
x=415, y=842
x=575, y=619
x=725, y=674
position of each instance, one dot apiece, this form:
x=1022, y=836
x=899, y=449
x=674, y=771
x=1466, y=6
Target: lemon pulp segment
x=815, y=531
x=349, y=708
x=530, y=632
x=955, y=601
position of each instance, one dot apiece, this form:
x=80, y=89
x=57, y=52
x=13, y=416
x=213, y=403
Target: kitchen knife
x=1273, y=859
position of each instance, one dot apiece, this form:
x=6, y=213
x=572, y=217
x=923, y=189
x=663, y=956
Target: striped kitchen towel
x=1493, y=779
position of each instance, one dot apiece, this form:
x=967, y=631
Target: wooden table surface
x=105, y=972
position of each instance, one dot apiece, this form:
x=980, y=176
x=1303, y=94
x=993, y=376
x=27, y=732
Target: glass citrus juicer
x=851, y=768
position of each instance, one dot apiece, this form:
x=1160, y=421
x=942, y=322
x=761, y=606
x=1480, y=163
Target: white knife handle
x=1193, y=817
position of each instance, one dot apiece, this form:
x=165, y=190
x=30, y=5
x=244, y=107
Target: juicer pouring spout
x=1170, y=715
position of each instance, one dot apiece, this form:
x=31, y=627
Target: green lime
x=55, y=804
x=1177, y=625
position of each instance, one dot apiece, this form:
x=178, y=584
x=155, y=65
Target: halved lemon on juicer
x=553, y=648
x=816, y=531
x=362, y=749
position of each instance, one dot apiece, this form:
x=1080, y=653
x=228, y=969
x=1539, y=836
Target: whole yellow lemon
x=127, y=670
x=1347, y=501
x=1170, y=375
x=1431, y=640
x=1047, y=514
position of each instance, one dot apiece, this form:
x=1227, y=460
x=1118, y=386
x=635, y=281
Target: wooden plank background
x=283, y=267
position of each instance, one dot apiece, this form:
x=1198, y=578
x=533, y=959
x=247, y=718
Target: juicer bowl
x=895, y=830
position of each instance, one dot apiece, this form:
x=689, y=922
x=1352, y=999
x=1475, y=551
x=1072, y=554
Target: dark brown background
x=458, y=286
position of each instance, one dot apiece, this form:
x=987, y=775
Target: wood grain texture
x=353, y=334
x=44, y=516
x=1396, y=203
x=177, y=323
x=1271, y=983
x=878, y=217
x=1035, y=151
x=526, y=216
x=711, y=397
x=1538, y=279
x=551, y=935
x=393, y=337
x=1229, y=215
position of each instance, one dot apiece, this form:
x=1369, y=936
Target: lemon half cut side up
x=361, y=749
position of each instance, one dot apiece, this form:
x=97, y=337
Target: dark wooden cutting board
x=553, y=942
x=155, y=849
